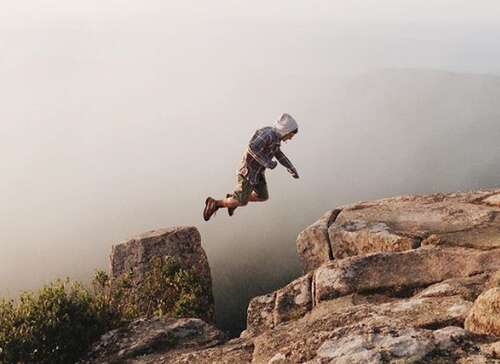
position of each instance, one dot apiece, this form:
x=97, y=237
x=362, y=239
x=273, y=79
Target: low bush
x=53, y=326
x=58, y=323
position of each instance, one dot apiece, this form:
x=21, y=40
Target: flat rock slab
x=469, y=288
x=393, y=272
x=468, y=219
x=493, y=200
x=428, y=313
x=142, y=337
x=407, y=345
x=232, y=352
x=357, y=237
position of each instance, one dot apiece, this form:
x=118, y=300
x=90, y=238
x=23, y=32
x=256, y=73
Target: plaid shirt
x=263, y=147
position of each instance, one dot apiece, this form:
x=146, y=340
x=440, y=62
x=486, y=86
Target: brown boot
x=230, y=210
x=210, y=208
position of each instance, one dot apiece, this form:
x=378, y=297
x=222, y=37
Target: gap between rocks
x=330, y=222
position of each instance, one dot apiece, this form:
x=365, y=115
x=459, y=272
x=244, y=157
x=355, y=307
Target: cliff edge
x=409, y=279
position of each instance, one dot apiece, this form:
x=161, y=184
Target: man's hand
x=272, y=165
x=293, y=172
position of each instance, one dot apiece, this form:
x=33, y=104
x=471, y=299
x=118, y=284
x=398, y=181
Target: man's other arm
x=285, y=162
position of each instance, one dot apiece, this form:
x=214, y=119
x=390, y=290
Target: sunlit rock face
x=468, y=219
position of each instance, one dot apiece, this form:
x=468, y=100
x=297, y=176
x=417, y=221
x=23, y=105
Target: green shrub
x=165, y=290
x=56, y=325
x=59, y=322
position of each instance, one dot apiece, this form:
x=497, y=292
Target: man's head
x=289, y=136
x=287, y=127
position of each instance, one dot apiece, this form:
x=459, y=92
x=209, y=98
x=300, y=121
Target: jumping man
x=251, y=184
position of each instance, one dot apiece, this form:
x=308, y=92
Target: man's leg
x=255, y=197
x=232, y=201
x=229, y=202
x=212, y=205
x=260, y=192
x=247, y=193
x=243, y=193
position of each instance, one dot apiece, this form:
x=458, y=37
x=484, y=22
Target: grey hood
x=286, y=124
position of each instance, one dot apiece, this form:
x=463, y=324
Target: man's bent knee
x=258, y=198
x=234, y=202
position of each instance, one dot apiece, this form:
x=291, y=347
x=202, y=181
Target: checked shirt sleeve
x=257, y=148
x=285, y=162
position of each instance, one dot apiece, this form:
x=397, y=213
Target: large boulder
x=388, y=281
x=137, y=254
x=469, y=219
x=484, y=318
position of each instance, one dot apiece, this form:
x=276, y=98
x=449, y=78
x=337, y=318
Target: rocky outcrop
x=400, y=280
x=410, y=279
x=403, y=223
x=392, y=274
x=181, y=243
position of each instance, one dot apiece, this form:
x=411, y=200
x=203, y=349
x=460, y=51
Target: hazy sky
x=122, y=116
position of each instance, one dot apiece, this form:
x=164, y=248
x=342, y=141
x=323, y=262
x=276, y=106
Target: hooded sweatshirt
x=263, y=147
x=286, y=124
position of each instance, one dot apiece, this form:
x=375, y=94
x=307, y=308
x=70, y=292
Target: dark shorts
x=244, y=189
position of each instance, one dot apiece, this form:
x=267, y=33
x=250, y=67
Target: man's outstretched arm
x=285, y=162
